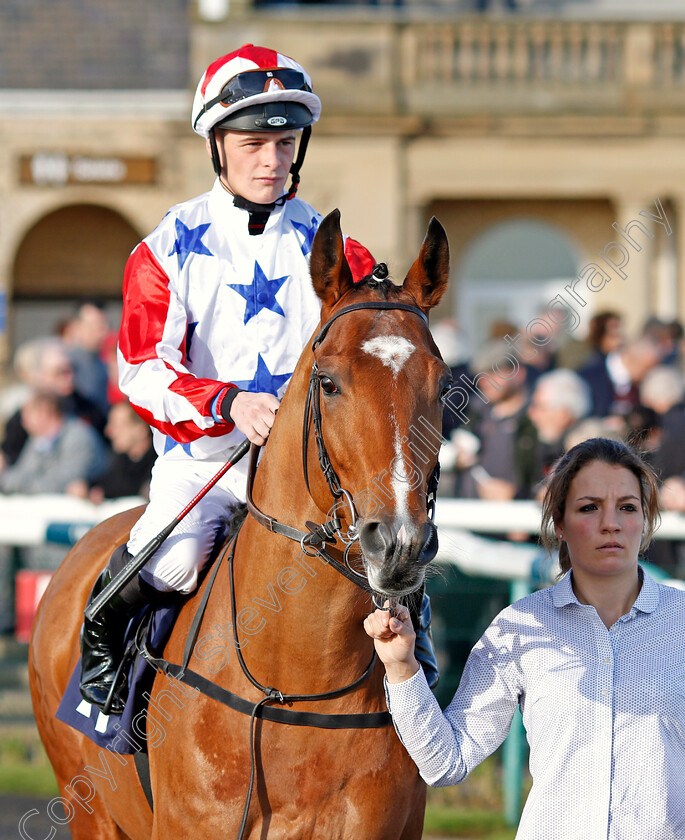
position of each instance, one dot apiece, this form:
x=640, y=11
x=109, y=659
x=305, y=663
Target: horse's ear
x=331, y=275
x=427, y=278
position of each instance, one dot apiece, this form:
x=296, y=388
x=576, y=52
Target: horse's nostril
x=429, y=545
x=379, y=541
x=376, y=538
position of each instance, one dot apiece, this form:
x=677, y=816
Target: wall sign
x=57, y=169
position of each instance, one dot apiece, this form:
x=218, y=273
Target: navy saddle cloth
x=124, y=733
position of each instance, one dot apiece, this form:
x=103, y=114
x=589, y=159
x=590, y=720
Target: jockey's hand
x=254, y=415
x=393, y=637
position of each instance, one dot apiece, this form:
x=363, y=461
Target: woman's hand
x=394, y=639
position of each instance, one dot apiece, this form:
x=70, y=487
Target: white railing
x=26, y=520
x=36, y=520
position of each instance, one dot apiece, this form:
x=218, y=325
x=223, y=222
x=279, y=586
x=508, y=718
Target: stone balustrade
x=543, y=65
x=434, y=66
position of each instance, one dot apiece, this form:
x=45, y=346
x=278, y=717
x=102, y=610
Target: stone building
x=547, y=138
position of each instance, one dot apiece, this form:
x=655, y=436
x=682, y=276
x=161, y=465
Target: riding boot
x=420, y=612
x=102, y=638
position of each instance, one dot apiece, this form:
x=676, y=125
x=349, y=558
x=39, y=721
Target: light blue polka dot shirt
x=604, y=712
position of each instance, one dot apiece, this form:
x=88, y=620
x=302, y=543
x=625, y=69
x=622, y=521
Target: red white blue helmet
x=254, y=89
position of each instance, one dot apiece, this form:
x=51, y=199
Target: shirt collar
x=648, y=599
x=617, y=370
x=646, y=602
x=562, y=593
x=223, y=207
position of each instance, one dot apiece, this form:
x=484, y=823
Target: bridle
x=314, y=541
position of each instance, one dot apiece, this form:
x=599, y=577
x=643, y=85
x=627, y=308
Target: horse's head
x=376, y=384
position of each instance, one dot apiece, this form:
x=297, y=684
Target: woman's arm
x=447, y=746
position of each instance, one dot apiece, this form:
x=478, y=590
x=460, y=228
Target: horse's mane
x=235, y=522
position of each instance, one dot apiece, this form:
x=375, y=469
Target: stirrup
x=118, y=691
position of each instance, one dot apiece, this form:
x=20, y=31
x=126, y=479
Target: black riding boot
x=102, y=639
x=420, y=612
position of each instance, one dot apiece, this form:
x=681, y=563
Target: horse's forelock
x=384, y=287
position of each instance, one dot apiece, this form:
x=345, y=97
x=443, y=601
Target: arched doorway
x=509, y=272
x=73, y=254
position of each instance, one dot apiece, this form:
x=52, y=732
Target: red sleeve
x=148, y=355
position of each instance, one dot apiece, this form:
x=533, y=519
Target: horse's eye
x=327, y=385
x=446, y=388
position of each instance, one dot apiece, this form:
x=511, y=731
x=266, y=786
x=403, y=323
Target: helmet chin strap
x=297, y=165
x=259, y=213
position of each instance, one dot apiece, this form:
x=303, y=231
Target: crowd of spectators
x=66, y=428
x=521, y=417
x=64, y=425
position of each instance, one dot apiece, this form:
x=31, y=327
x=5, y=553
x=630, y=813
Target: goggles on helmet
x=252, y=82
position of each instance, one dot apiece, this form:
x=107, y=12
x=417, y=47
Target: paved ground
x=36, y=826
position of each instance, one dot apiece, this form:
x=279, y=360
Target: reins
x=313, y=542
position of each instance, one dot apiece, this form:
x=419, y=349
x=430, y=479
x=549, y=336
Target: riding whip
x=134, y=565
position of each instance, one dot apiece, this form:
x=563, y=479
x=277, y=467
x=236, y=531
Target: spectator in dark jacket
x=614, y=380
x=128, y=473
x=53, y=374
x=561, y=399
x=59, y=450
x=663, y=391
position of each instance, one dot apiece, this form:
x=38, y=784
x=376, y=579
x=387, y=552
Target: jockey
x=218, y=304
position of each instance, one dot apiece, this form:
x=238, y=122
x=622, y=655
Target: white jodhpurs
x=175, y=566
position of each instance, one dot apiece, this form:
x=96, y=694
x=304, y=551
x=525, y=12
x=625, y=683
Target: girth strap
x=277, y=714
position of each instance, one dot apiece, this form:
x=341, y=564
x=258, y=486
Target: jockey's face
x=255, y=165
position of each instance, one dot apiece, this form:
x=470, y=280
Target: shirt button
x=606, y=660
x=604, y=692
x=262, y=297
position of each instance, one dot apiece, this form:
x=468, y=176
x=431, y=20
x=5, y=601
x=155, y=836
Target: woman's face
x=603, y=520
x=612, y=338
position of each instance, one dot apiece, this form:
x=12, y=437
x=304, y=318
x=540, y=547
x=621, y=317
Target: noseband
x=314, y=541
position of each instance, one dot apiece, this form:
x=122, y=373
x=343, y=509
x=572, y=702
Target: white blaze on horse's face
x=401, y=489
x=392, y=350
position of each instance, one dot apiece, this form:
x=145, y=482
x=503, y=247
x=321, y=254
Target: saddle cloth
x=124, y=733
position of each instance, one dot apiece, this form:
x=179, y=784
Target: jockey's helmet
x=254, y=89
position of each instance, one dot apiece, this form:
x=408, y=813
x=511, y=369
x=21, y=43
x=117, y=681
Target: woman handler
x=596, y=663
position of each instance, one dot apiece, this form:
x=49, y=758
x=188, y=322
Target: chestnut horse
x=377, y=382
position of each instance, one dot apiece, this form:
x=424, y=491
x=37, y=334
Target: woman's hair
x=605, y=451
x=599, y=324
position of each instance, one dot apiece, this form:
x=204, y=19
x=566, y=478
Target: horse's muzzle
x=396, y=553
